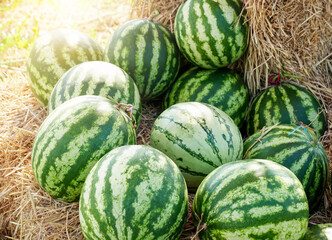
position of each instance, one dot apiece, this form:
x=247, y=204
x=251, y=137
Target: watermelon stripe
x=300, y=152
x=132, y=197
x=96, y=78
x=286, y=103
x=151, y=58
x=274, y=202
x=197, y=137
x=53, y=54
x=176, y=140
x=63, y=140
x=186, y=170
x=221, y=88
x=207, y=33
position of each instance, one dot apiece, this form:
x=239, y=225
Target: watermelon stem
x=128, y=108
x=260, y=137
x=274, y=79
x=199, y=226
x=301, y=124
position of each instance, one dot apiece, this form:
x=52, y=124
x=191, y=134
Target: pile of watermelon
x=256, y=169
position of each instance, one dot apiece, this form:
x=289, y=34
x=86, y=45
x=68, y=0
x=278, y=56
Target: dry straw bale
x=294, y=37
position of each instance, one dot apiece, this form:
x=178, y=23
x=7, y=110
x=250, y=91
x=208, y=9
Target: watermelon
x=298, y=150
x=211, y=33
x=72, y=139
x=198, y=137
x=53, y=54
x=286, y=103
x=321, y=231
x=96, y=78
x=134, y=192
x=147, y=51
x=251, y=199
x=222, y=88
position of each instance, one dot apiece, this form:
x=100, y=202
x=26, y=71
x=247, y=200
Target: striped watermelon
x=321, y=231
x=198, y=138
x=299, y=151
x=53, y=54
x=72, y=139
x=222, y=88
x=147, y=51
x=134, y=192
x=284, y=103
x=96, y=78
x=210, y=33
x=251, y=199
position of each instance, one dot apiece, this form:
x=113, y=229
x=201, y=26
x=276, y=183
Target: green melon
x=298, y=150
x=198, y=137
x=72, y=139
x=222, y=88
x=210, y=33
x=251, y=199
x=134, y=192
x=97, y=78
x=53, y=54
x=147, y=51
x=286, y=103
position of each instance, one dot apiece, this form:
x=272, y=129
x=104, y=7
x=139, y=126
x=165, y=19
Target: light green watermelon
x=134, y=192
x=198, y=137
x=222, y=88
x=97, y=78
x=147, y=51
x=211, y=33
x=321, y=231
x=251, y=199
x=72, y=139
x=53, y=54
x=299, y=150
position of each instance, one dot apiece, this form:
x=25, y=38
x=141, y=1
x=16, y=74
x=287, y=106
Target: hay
x=293, y=37
x=26, y=211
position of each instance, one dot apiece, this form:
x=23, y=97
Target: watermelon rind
x=72, y=139
x=147, y=51
x=198, y=137
x=222, y=88
x=97, y=78
x=286, y=103
x=53, y=54
x=251, y=199
x=211, y=34
x=299, y=150
x=134, y=192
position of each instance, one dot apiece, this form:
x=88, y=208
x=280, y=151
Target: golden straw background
x=294, y=37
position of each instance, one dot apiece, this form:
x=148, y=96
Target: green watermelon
x=298, y=150
x=147, y=51
x=286, y=103
x=134, y=192
x=198, y=137
x=53, y=54
x=321, y=231
x=210, y=33
x=96, y=78
x=251, y=199
x=222, y=88
x=72, y=139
